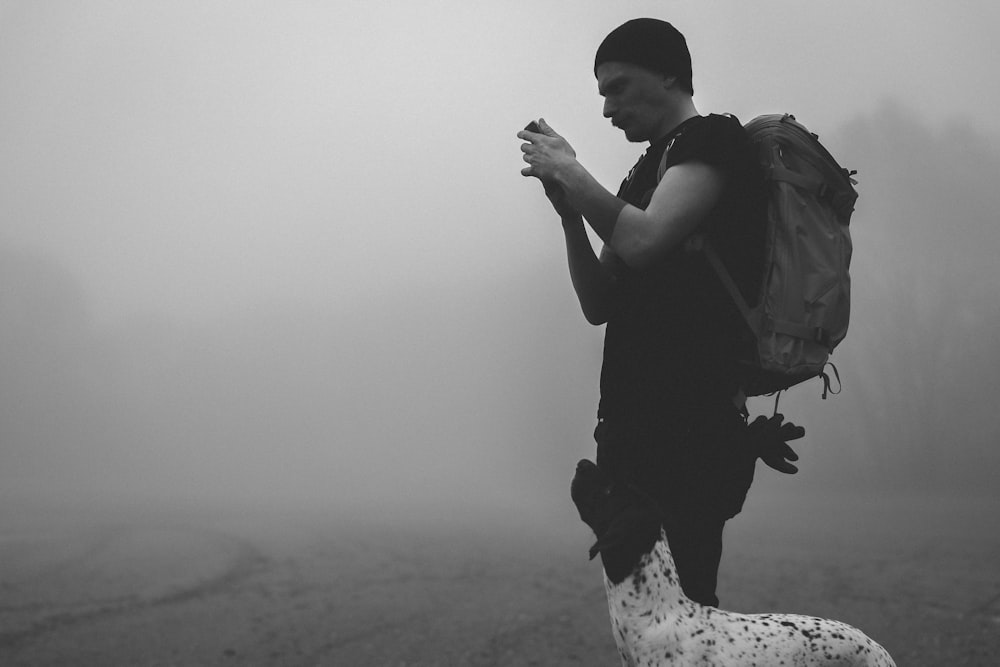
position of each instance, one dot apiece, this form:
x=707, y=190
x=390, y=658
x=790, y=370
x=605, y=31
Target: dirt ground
x=920, y=577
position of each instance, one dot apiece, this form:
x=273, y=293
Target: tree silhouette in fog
x=922, y=352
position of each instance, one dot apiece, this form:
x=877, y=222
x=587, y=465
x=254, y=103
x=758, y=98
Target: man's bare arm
x=684, y=197
x=592, y=277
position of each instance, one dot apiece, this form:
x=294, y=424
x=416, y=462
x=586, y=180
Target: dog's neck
x=652, y=590
x=649, y=612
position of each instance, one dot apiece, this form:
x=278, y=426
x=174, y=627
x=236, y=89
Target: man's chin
x=633, y=135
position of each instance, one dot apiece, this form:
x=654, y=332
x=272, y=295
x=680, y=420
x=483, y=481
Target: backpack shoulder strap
x=701, y=244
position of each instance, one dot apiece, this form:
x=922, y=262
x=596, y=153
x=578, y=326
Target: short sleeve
x=717, y=140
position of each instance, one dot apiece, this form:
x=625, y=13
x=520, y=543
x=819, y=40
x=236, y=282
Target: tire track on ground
x=244, y=562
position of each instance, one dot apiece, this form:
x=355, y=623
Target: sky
x=282, y=252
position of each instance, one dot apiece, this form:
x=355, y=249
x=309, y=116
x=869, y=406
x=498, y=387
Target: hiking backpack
x=804, y=304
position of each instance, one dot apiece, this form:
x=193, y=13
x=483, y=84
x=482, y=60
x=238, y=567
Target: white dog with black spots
x=655, y=623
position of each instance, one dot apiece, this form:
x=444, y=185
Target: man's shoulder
x=717, y=126
x=717, y=139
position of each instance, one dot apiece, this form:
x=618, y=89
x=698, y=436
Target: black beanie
x=650, y=43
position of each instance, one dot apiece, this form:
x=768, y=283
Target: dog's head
x=591, y=492
x=625, y=523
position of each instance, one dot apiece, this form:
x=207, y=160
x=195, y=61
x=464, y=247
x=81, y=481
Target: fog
x=284, y=258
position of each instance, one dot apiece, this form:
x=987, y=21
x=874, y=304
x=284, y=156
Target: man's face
x=635, y=99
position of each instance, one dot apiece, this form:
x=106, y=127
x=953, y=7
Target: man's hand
x=544, y=151
x=770, y=438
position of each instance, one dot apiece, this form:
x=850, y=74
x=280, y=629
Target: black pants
x=697, y=469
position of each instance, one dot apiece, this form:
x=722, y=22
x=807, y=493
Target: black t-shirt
x=672, y=339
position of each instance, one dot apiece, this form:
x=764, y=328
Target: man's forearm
x=591, y=280
x=592, y=200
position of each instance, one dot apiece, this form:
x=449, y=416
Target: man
x=671, y=420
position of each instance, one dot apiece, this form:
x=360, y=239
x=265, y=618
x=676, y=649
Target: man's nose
x=609, y=108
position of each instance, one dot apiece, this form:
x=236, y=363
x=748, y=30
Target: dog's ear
x=612, y=537
x=627, y=524
x=596, y=549
x=632, y=533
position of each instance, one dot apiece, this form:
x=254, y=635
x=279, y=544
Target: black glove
x=769, y=436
